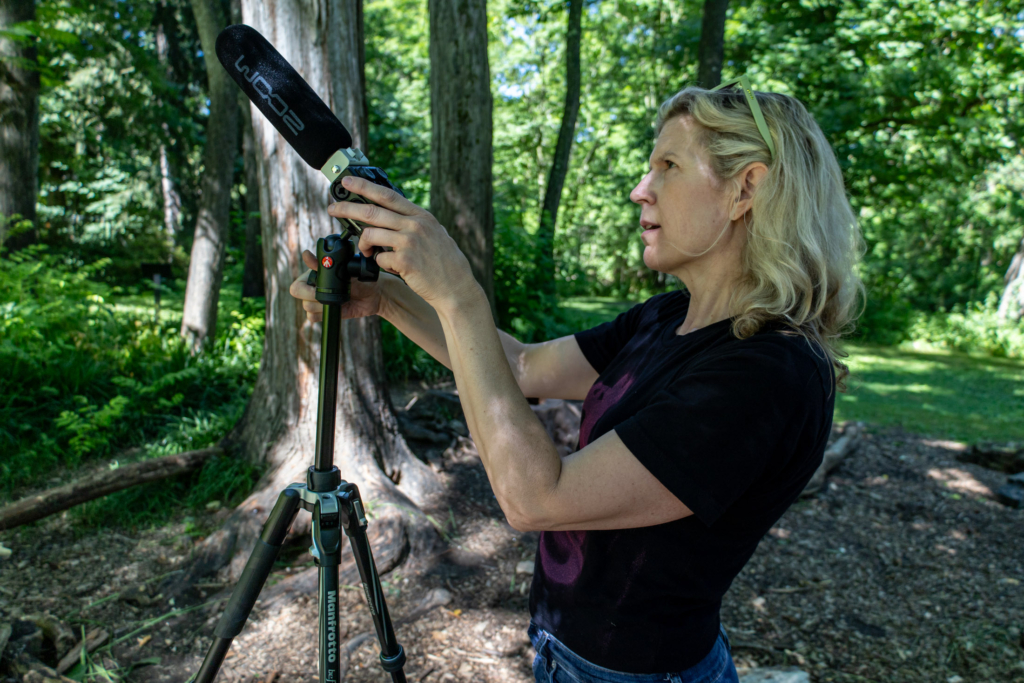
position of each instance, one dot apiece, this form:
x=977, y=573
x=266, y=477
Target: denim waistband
x=711, y=669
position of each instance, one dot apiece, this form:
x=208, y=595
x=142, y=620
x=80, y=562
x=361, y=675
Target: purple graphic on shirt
x=561, y=552
x=599, y=399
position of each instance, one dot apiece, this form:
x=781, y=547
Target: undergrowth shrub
x=82, y=378
x=976, y=329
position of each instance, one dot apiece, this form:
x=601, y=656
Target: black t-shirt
x=734, y=428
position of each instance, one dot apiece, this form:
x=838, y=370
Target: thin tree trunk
x=1011, y=304
x=166, y=28
x=560, y=164
x=206, y=266
x=461, y=150
x=19, y=127
x=279, y=424
x=172, y=200
x=710, y=54
x=252, y=270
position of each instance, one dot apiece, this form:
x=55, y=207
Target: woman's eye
x=670, y=164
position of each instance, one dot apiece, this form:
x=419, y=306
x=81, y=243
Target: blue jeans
x=555, y=663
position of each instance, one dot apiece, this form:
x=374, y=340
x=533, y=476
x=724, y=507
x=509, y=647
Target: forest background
x=921, y=101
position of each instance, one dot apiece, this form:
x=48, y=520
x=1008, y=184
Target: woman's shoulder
x=782, y=355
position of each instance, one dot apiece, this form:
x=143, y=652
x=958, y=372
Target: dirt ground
x=903, y=569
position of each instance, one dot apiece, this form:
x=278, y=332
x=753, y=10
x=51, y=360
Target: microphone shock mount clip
x=352, y=162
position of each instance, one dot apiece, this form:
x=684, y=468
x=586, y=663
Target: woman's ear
x=748, y=179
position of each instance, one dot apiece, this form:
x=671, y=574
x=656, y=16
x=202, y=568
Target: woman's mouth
x=649, y=229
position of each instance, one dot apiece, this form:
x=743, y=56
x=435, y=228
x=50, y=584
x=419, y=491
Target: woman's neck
x=711, y=292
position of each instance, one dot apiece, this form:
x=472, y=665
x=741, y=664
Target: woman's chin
x=651, y=258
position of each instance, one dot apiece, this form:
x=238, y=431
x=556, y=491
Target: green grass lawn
x=588, y=311
x=941, y=394
x=934, y=393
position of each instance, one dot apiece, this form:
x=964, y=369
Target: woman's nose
x=642, y=192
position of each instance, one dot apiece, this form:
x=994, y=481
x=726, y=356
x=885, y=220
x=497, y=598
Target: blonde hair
x=803, y=241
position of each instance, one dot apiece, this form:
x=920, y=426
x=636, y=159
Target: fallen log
x=834, y=455
x=100, y=484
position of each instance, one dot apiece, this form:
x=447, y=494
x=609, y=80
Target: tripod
x=335, y=504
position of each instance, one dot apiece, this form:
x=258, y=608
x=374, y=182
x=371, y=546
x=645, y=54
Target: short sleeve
x=601, y=344
x=709, y=435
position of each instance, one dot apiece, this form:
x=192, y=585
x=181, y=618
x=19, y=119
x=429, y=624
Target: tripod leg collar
x=392, y=664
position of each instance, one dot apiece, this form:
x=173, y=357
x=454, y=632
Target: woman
x=706, y=411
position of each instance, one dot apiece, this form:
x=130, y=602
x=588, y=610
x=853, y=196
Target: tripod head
x=337, y=263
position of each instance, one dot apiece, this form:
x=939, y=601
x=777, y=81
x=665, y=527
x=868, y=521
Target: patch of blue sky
x=512, y=91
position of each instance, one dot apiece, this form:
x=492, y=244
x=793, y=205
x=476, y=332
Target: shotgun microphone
x=295, y=110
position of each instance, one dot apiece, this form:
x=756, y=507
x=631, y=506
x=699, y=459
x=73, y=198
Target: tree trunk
x=166, y=42
x=206, y=266
x=19, y=127
x=320, y=39
x=252, y=270
x=461, y=117
x=1011, y=305
x=710, y=54
x=560, y=164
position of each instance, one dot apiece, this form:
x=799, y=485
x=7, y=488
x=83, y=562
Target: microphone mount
x=351, y=162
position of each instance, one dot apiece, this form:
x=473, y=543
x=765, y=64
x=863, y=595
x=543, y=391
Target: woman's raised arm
x=551, y=369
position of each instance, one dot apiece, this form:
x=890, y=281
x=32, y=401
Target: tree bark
x=206, y=266
x=461, y=150
x=252, y=270
x=710, y=54
x=320, y=39
x=19, y=127
x=1011, y=304
x=560, y=164
x=100, y=484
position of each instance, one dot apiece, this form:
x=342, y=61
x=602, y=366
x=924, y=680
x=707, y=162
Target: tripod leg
x=392, y=656
x=248, y=588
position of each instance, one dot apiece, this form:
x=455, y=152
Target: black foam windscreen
x=284, y=97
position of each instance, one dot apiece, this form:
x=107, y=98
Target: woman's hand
x=422, y=253
x=365, y=297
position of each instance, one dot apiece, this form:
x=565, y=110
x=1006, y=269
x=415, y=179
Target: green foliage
x=398, y=94
x=404, y=361
x=916, y=98
x=83, y=378
x=107, y=105
x=627, y=53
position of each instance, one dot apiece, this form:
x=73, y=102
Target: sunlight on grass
x=589, y=311
x=936, y=393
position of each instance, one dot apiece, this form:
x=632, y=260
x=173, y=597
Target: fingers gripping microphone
x=295, y=110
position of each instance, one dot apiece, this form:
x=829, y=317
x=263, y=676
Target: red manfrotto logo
x=327, y=262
